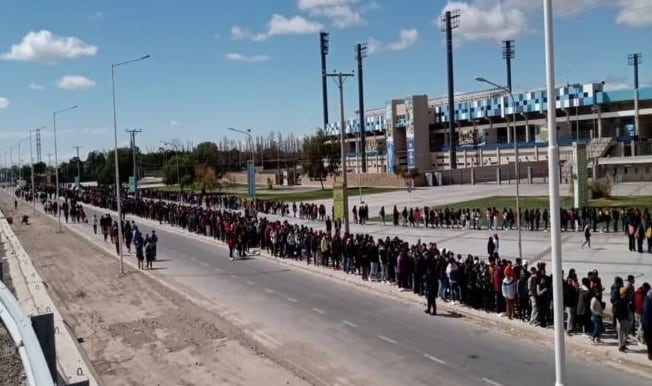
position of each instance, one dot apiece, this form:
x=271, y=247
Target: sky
x=255, y=64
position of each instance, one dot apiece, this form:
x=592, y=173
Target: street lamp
x=31, y=160
x=253, y=162
x=117, y=169
x=56, y=159
x=553, y=192
x=516, y=170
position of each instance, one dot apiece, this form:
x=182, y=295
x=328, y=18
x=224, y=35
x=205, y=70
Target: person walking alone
x=587, y=235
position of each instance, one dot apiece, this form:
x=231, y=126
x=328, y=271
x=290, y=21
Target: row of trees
x=203, y=164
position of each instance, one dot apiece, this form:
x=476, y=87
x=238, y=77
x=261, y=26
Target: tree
x=206, y=178
x=321, y=156
x=106, y=173
x=186, y=170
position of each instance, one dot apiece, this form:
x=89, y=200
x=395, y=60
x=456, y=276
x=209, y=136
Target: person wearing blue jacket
x=646, y=321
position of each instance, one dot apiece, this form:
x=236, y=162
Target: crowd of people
x=509, y=288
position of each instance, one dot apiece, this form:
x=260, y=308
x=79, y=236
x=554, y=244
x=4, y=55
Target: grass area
x=282, y=193
x=500, y=202
x=318, y=194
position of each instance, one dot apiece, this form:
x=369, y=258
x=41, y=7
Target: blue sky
x=255, y=63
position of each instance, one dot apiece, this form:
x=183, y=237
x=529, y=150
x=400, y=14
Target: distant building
x=412, y=133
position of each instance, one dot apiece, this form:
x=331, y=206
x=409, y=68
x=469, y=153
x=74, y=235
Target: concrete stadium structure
x=412, y=133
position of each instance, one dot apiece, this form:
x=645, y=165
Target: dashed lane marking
x=233, y=276
x=203, y=263
x=346, y=322
x=490, y=382
x=386, y=339
x=319, y=311
x=435, y=359
x=250, y=282
x=292, y=300
x=269, y=291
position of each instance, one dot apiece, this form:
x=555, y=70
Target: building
x=412, y=133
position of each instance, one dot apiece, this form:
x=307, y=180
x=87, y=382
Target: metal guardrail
x=20, y=328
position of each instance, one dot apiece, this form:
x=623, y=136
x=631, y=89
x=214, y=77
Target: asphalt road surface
x=343, y=335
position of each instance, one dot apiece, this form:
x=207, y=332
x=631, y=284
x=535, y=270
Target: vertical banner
x=409, y=134
x=580, y=176
x=132, y=185
x=389, y=134
x=251, y=179
x=338, y=201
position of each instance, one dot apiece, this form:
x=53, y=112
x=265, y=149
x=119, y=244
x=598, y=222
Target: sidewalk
x=579, y=345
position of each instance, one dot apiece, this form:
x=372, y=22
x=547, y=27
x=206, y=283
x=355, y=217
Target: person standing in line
x=623, y=319
x=646, y=321
x=596, y=317
x=431, y=290
x=95, y=224
x=587, y=235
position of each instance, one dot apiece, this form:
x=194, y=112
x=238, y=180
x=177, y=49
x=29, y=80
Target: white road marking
x=292, y=300
x=489, y=381
x=193, y=259
x=317, y=310
x=435, y=359
x=233, y=276
x=346, y=322
x=205, y=264
x=269, y=291
x=250, y=282
x=386, y=339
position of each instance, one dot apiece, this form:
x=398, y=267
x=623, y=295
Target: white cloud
x=635, y=13
x=487, y=20
x=4, y=103
x=508, y=19
x=279, y=25
x=407, y=38
x=35, y=86
x=75, y=82
x=236, y=57
x=93, y=131
x=45, y=47
x=97, y=16
x=174, y=123
x=340, y=12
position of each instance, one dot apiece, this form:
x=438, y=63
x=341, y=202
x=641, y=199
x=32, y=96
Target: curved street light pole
x=56, y=160
x=516, y=160
x=117, y=169
x=253, y=161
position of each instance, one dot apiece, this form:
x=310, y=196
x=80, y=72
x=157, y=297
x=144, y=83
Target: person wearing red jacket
x=638, y=301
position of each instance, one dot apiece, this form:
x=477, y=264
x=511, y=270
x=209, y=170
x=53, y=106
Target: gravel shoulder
x=135, y=330
x=11, y=368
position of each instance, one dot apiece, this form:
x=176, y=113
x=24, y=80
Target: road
x=342, y=335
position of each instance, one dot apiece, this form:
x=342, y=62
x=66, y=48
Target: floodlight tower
x=634, y=60
x=449, y=21
x=323, y=44
x=508, y=55
x=360, y=53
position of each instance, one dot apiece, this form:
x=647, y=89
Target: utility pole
x=340, y=77
x=133, y=153
x=508, y=55
x=360, y=53
x=78, y=167
x=451, y=20
x=47, y=169
x=323, y=44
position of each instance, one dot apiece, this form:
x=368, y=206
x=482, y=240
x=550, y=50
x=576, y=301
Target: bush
x=600, y=187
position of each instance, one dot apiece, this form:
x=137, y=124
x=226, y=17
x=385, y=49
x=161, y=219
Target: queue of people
x=511, y=289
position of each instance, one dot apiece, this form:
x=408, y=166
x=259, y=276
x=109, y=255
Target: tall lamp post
x=31, y=161
x=553, y=191
x=117, y=169
x=253, y=161
x=56, y=159
x=516, y=162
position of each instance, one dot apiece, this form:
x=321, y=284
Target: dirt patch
x=135, y=330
